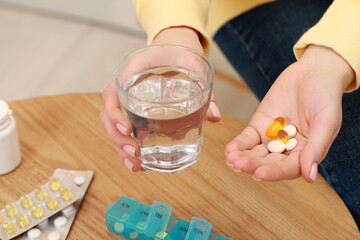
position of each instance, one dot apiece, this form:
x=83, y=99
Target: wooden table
x=65, y=132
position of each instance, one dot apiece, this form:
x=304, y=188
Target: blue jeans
x=259, y=45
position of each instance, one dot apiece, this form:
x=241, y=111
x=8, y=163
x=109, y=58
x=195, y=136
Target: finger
x=113, y=110
x=251, y=164
x=321, y=135
x=257, y=151
x=213, y=114
x=286, y=169
x=248, y=139
x=124, y=143
x=131, y=163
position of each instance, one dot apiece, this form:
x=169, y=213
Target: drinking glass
x=164, y=91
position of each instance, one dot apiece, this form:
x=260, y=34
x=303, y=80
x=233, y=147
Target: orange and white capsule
x=275, y=126
x=283, y=136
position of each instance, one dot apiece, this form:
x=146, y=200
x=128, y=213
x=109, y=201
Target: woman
x=307, y=89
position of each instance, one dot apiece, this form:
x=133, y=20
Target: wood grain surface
x=65, y=132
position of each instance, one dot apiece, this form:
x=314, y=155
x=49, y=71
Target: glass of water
x=165, y=91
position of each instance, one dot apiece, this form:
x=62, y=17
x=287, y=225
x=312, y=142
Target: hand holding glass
x=165, y=92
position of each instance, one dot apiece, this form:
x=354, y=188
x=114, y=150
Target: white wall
x=119, y=13
x=115, y=13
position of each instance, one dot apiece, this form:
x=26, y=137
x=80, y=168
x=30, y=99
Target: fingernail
x=229, y=164
x=238, y=170
x=214, y=110
x=128, y=164
x=313, y=171
x=121, y=128
x=129, y=150
x=257, y=179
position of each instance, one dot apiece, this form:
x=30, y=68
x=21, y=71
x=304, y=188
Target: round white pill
x=60, y=222
x=119, y=227
x=34, y=234
x=134, y=235
x=68, y=210
x=55, y=235
x=276, y=146
x=290, y=144
x=79, y=180
x=291, y=130
x=43, y=224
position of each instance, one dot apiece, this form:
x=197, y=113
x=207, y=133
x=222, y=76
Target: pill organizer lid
x=138, y=217
x=4, y=112
x=199, y=229
x=158, y=219
x=179, y=231
x=121, y=209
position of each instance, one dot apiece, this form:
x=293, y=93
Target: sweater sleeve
x=156, y=15
x=338, y=29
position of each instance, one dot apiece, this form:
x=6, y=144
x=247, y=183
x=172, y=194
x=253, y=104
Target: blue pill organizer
x=134, y=220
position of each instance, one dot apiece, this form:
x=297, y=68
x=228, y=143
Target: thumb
x=322, y=134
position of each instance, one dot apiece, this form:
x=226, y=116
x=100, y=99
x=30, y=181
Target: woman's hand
x=115, y=122
x=309, y=95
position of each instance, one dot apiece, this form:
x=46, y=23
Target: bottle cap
x=5, y=112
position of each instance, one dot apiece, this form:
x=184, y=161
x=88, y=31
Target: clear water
x=169, y=133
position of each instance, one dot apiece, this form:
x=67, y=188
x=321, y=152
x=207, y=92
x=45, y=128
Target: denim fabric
x=259, y=45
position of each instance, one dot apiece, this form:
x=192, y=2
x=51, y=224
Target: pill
x=40, y=193
x=60, y=222
x=37, y=212
x=11, y=210
x=43, y=224
x=276, y=146
x=68, y=210
x=26, y=202
x=54, y=184
x=119, y=227
x=1, y=218
x=161, y=235
x=134, y=235
x=291, y=130
x=79, y=180
x=66, y=194
x=275, y=126
x=55, y=235
x=22, y=220
x=282, y=136
x=34, y=234
x=9, y=228
x=290, y=144
x=51, y=203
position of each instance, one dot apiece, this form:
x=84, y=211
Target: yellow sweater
x=338, y=29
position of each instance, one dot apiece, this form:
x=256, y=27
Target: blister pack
x=59, y=195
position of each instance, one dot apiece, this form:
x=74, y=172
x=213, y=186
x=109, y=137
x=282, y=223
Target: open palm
x=309, y=97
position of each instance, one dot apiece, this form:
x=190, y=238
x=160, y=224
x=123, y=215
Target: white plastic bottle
x=10, y=155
